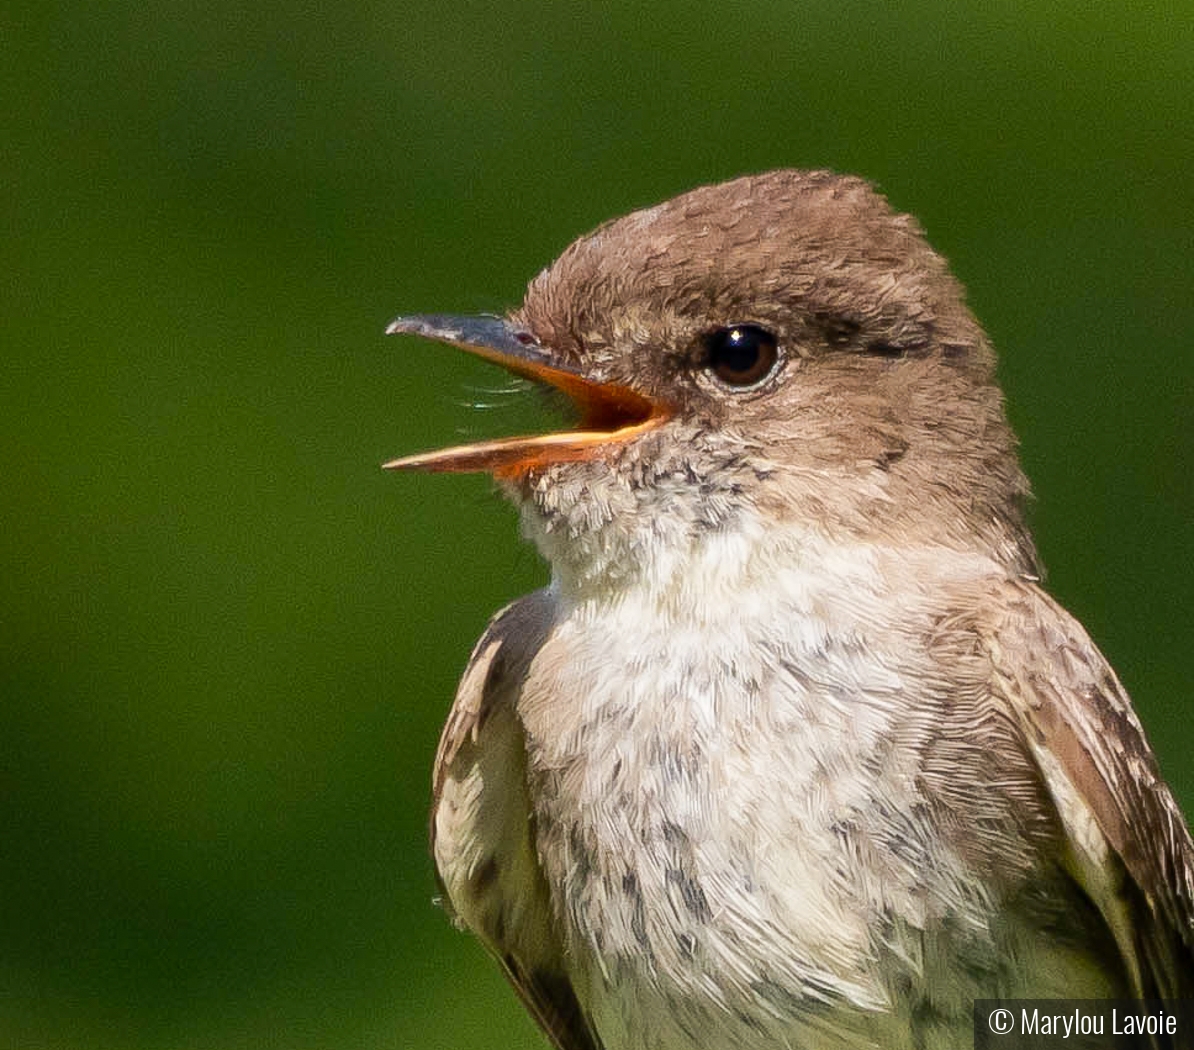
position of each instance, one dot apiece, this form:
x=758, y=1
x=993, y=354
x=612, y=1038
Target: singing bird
x=794, y=751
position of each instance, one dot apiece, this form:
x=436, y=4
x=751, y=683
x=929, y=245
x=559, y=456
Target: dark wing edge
x=1129, y=846
x=482, y=835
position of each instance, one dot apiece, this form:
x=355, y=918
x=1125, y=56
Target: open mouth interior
x=601, y=407
x=606, y=413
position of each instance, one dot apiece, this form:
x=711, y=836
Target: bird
x=794, y=750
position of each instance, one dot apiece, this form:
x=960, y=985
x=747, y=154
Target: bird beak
x=609, y=412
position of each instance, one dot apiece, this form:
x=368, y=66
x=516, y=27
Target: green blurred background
x=228, y=640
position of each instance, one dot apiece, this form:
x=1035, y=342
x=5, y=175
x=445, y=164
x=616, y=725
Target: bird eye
x=742, y=354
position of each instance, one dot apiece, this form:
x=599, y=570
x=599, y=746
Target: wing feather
x=1130, y=848
x=481, y=829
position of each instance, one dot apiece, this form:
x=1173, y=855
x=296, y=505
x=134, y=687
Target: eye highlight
x=741, y=355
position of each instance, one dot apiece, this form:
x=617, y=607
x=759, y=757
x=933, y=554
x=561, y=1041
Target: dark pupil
x=741, y=354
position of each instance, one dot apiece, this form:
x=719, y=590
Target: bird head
x=782, y=348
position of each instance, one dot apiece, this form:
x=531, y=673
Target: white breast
x=724, y=763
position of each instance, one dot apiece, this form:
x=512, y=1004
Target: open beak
x=609, y=412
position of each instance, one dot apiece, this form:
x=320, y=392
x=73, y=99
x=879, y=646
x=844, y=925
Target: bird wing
x=481, y=831
x=1128, y=844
